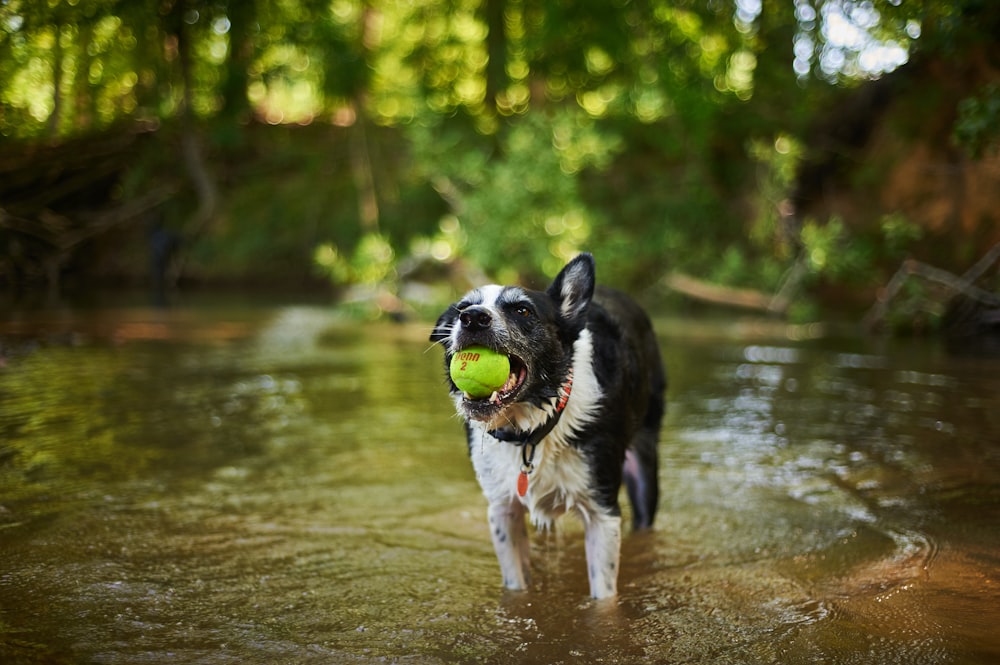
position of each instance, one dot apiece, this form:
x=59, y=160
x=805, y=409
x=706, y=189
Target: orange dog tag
x=522, y=484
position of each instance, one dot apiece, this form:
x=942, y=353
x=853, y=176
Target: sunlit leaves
x=738, y=78
x=304, y=58
x=850, y=39
x=371, y=264
x=522, y=206
x=504, y=107
x=30, y=90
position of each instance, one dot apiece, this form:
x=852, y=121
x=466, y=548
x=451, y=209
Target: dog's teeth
x=468, y=396
x=511, y=382
x=495, y=397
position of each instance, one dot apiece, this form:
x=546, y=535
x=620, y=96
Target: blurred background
x=810, y=158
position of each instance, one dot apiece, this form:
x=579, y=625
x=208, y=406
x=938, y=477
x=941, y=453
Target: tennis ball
x=479, y=371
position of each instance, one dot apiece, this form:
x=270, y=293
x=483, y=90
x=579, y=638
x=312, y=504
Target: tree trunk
x=192, y=153
x=364, y=177
x=57, y=79
x=496, y=51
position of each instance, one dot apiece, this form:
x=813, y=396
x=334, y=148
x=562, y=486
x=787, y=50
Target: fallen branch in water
x=776, y=303
x=982, y=265
x=953, y=284
x=722, y=295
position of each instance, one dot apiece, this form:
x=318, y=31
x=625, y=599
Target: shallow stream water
x=282, y=485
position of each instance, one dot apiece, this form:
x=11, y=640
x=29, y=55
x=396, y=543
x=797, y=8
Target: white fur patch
x=603, y=545
x=489, y=295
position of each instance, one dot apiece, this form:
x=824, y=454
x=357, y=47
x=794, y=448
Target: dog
x=580, y=412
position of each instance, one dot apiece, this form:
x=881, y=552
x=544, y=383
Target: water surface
x=283, y=485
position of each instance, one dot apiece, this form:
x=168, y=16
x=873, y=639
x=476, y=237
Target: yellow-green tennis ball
x=479, y=371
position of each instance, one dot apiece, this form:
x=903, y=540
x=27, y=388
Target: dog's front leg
x=603, y=544
x=510, y=540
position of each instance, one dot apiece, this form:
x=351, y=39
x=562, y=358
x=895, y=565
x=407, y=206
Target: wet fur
x=609, y=429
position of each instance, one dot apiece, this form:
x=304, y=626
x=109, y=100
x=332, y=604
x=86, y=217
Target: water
x=285, y=486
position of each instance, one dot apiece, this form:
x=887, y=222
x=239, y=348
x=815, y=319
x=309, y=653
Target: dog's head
x=535, y=329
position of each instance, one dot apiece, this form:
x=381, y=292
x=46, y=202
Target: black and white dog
x=581, y=410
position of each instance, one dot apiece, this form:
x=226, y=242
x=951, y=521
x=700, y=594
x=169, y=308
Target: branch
x=782, y=299
x=982, y=265
x=94, y=225
x=955, y=284
x=720, y=295
x=62, y=232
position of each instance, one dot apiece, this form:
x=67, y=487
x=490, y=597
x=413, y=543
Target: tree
x=672, y=133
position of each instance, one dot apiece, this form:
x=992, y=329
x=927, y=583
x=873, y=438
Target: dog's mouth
x=484, y=407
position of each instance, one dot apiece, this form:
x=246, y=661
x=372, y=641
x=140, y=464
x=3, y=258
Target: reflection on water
x=284, y=486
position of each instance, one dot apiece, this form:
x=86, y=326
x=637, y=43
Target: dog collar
x=528, y=441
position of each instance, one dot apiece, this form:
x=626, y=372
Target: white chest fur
x=560, y=481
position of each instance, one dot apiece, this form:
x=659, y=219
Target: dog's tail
x=641, y=467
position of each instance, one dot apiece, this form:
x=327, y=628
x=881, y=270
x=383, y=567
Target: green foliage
x=373, y=262
x=835, y=253
x=821, y=243
x=517, y=200
x=915, y=309
x=778, y=162
x=977, y=129
x=661, y=135
x=899, y=233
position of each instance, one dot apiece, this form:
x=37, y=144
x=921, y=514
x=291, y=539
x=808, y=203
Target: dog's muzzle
x=477, y=326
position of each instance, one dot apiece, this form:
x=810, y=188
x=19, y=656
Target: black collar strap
x=534, y=437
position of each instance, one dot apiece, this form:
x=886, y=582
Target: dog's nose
x=475, y=318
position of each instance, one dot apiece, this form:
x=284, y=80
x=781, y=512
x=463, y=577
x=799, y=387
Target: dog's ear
x=445, y=324
x=573, y=288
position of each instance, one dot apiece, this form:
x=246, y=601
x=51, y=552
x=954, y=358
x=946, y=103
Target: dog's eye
x=522, y=310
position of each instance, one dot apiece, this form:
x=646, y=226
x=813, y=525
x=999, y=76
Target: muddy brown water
x=282, y=485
